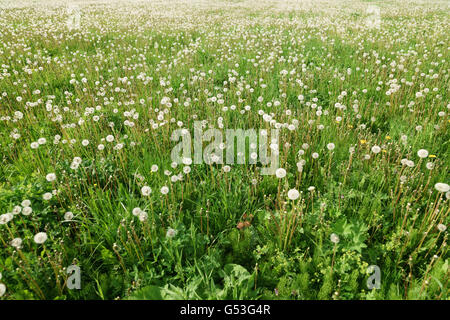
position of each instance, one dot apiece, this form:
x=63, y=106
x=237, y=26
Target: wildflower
x=315, y=155
x=146, y=190
x=17, y=210
x=165, y=190
x=442, y=187
x=26, y=211
x=47, y=196
x=410, y=163
x=330, y=146
x=5, y=218
x=136, y=211
x=187, y=161
x=376, y=149
x=68, y=216
x=74, y=166
x=430, y=165
x=143, y=216
x=293, y=194
x=280, y=173
x=311, y=188
x=2, y=289
x=40, y=237
x=50, y=177
x=110, y=138
x=16, y=243
x=26, y=203
x=334, y=238
x=422, y=153
x=442, y=227
x=154, y=168
x=171, y=233
x=226, y=168
x=363, y=141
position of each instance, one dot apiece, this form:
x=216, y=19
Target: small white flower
x=280, y=173
x=330, y=146
x=16, y=243
x=47, y=196
x=376, y=149
x=68, y=216
x=226, y=168
x=110, y=138
x=50, y=177
x=26, y=203
x=40, y=237
x=17, y=210
x=422, y=153
x=2, y=289
x=334, y=238
x=442, y=187
x=5, y=218
x=146, y=190
x=187, y=161
x=442, y=227
x=143, y=216
x=171, y=233
x=293, y=194
x=27, y=211
x=165, y=190
x=410, y=163
x=154, y=168
x=136, y=211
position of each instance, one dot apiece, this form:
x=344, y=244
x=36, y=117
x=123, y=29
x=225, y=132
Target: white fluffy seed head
x=334, y=238
x=146, y=190
x=442, y=187
x=40, y=237
x=422, y=153
x=293, y=194
x=280, y=173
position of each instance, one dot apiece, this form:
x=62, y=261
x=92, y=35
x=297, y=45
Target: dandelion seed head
x=40, y=237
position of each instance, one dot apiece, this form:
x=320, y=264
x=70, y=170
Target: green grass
x=236, y=234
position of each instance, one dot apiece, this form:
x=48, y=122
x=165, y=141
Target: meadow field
x=102, y=196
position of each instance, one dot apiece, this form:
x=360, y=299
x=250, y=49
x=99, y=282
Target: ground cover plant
x=93, y=205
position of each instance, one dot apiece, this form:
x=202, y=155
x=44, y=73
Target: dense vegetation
x=88, y=107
